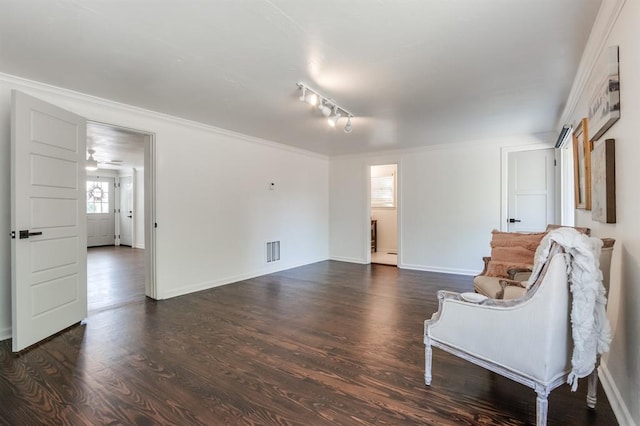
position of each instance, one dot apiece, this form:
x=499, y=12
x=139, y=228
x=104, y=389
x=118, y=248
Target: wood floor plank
x=325, y=344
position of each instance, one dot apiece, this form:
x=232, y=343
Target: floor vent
x=273, y=251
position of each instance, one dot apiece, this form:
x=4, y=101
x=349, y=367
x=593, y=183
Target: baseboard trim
x=348, y=259
x=615, y=398
x=454, y=271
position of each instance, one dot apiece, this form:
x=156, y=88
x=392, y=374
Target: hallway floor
x=115, y=276
x=384, y=258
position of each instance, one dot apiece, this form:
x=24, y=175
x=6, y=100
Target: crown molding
x=146, y=113
x=602, y=27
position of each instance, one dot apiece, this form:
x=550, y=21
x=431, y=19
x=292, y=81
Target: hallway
x=115, y=277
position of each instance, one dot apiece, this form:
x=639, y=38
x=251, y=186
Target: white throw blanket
x=590, y=326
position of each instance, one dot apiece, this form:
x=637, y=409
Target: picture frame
x=603, y=180
x=604, y=107
x=582, y=165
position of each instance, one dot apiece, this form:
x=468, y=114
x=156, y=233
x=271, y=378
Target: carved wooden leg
x=541, y=406
x=592, y=390
x=427, y=361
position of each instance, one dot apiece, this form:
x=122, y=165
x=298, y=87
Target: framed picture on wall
x=603, y=180
x=604, y=108
x=582, y=166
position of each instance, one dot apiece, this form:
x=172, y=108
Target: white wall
x=621, y=367
x=213, y=204
x=449, y=201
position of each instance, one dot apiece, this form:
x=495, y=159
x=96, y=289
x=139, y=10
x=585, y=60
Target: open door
x=48, y=220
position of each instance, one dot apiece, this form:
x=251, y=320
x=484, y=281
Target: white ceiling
x=413, y=72
x=116, y=148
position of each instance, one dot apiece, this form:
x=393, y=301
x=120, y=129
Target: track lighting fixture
x=328, y=107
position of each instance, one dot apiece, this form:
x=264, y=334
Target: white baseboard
x=455, y=271
x=615, y=398
x=347, y=259
x=139, y=246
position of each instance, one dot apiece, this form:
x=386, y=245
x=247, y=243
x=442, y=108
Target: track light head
x=304, y=94
x=335, y=117
x=313, y=99
x=347, y=127
x=325, y=110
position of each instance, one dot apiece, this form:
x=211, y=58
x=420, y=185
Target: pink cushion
x=512, y=250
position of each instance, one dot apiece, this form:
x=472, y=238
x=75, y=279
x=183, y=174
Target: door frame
x=150, y=273
x=367, y=206
x=504, y=178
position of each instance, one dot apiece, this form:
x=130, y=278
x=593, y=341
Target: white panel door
x=126, y=211
x=101, y=223
x=48, y=251
x=531, y=189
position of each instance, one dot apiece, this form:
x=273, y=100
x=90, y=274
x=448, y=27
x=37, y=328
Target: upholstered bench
x=506, y=272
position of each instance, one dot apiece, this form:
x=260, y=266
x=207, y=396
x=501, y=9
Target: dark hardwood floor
x=115, y=276
x=325, y=344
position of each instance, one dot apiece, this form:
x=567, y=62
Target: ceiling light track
x=327, y=106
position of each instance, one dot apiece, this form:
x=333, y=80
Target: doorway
x=384, y=214
x=121, y=272
x=530, y=190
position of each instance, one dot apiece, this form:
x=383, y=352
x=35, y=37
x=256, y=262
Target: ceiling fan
x=92, y=163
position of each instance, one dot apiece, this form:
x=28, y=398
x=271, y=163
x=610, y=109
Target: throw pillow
x=512, y=250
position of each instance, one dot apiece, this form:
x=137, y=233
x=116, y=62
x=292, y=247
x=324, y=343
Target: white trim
x=504, y=176
x=378, y=161
x=602, y=27
x=615, y=398
x=150, y=166
x=349, y=260
x=455, y=271
x=83, y=97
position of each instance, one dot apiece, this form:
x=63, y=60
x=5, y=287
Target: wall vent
x=273, y=251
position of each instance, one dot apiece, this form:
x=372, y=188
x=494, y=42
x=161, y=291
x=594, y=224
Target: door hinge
x=555, y=163
x=155, y=225
x=13, y=235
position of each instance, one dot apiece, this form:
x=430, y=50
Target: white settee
x=528, y=339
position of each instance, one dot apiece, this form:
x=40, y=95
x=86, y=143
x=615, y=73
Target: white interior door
x=48, y=251
x=101, y=225
x=531, y=189
x=126, y=211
